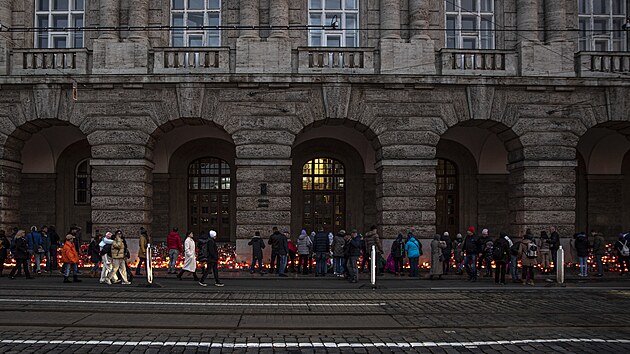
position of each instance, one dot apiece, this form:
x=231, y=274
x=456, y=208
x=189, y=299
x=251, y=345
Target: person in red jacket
x=70, y=260
x=174, y=245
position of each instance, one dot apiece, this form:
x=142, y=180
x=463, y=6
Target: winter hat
x=484, y=232
x=471, y=230
x=303, y=233
x=446, y=233
x=70, y=237
x=212, y=233
x=108, y=234
x=459, y=236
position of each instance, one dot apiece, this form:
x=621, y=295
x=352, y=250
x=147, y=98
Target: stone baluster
x=279, y=18
x=250, y=17
x=390, y=19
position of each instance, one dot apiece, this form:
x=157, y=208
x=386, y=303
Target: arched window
x=58, y=15
x=323, y=13
x=470, y=24
x=447, y=205
x=600, y=23
x=323, y=185
x=195, y=14
x=209, y=197
x=82, y=182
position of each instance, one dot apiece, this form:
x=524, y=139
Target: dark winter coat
x=472, y=245
x=581, y=245
x=337, y=246
x=20, y=250
x=502, y=255
x=34, y=240
x=398, y=247
x=554, y=241
x=354, y=247
x=5, y=244
x=321, y=243
x=213, y=251
x=448, y=250
x=279, y=244
x=258, y=245
x=372, y=239
x=202, y=248
x=94, y=252
x=599, y=247
x=46, y=242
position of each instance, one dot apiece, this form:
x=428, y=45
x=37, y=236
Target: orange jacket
x=69, y=253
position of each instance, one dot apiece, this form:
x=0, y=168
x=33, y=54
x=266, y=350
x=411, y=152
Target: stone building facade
x=437, y=114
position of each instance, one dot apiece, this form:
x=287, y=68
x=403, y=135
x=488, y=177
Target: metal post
x=560, y=266
x=149, y=265
x=373, y=266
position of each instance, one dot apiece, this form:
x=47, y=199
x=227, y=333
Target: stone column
x=555, y=20
x=122, y=195
x=109, y=17
x=279, y=17
x=10, y=176
x=419, y=18
x=527, y=19
x=542, y=194
x=405, y=197
x=390, y=19
x=250, y=17
x=139, y=17
x=263, y=199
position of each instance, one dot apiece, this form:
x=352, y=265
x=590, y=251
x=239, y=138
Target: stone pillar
x=109, y=17
x=139, y=17
x=542, y=194
x=527, y=19
x=419, y=18
x=405, y=197
x=263, y=199
x=390, y=19
x=250, y=17
x=6, y=19
x=10, y=176
x=555, y=21
x=279, y=17
x=122, y=195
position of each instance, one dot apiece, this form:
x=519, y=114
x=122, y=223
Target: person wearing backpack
x=105, y=247
x=528, y=254
x=581, y=248
x=398, y=254
x=501, y=257
x=622, y=246
x=258, y=245
x=210, y=253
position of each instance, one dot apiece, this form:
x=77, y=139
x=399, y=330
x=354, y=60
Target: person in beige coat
x=118, y=259
x=436, y=257
x=528, y=254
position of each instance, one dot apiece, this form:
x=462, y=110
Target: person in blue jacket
x=414, y=251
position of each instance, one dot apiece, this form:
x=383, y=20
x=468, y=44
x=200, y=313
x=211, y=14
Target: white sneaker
x=218, y=284
x=203, y=284
x=126, y=283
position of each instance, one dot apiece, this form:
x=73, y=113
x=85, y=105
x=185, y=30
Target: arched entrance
x=447, y=197
x=324, y=195
x=209, y=197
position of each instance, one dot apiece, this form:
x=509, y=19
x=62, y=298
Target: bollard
x=560, y=266
x=373, y=267
x=149, y=265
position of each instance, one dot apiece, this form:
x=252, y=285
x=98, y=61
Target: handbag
x=40, y=249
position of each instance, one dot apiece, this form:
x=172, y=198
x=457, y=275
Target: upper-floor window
x=53, y=17
x=195, y=14
x=600, y=25
x=344, y=13
x=470, y=24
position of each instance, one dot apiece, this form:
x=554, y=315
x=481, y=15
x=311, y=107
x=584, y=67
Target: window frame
x=342, y=31
x=588, y=39
x=459, y=36
x=204, y=34
x=88, y=183
x=71, y=37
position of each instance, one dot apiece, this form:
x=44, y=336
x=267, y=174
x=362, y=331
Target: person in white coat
x=105, y=247
x=190, y=257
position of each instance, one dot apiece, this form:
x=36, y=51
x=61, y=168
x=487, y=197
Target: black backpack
x=497, y=251
x=107, y=250
x=515, y=248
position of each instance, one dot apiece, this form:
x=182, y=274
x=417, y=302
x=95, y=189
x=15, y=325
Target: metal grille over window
x=345, y=15
x=447, y=197
x=470, y=24
x=323, y=185
x=209, y=196
x=53, y=18
x=600, y=24
x=82, y=181
x=190, y=16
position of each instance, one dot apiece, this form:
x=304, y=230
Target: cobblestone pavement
x=181, y=317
